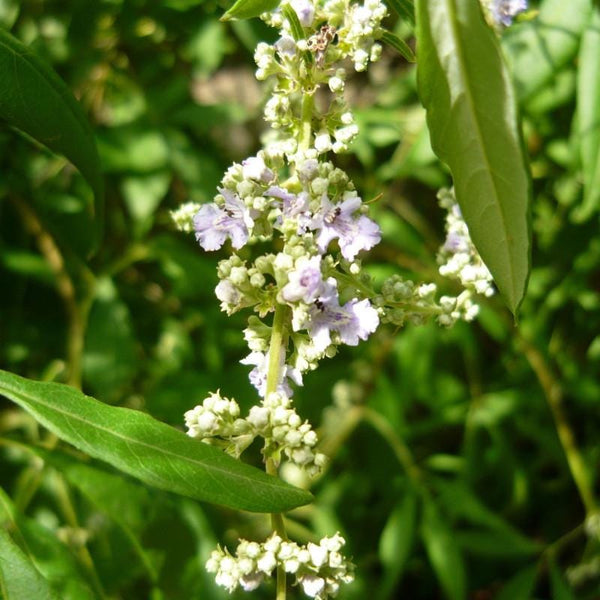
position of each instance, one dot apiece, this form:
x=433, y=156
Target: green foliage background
x=463, y=461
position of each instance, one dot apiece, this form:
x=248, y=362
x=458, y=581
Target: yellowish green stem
x=308, y=104
x=277, y=346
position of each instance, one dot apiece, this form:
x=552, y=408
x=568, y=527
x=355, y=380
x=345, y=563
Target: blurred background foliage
x=464, y=462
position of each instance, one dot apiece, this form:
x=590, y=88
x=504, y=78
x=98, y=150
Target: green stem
x=308, y=104
x=277, y=346
x=554, y=396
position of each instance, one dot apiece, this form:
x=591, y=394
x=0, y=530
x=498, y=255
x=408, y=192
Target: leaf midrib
x=210, y=468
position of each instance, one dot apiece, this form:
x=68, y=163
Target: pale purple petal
x=362, y=321
x=209, y=236
x=255, y=168
x=305, y=282
x=337, y=221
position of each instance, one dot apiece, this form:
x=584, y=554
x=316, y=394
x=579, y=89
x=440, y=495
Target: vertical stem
x=308, y=103
x=278, y=333
x=554, y=396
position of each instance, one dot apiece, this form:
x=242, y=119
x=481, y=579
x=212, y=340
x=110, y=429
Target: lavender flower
x=503, y=11
x=258, y=375
x=357, y=319
x=214, y=224
x=337, y=221
x=305, y=282
x=305, y=11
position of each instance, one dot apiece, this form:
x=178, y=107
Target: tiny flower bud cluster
x=458, y=258
x=318, y=569
x=217, y=422
x=402, y=301
x=183, y=217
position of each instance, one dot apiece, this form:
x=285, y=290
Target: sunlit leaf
x=150, y=450
x=35, y=100
x=471, y=113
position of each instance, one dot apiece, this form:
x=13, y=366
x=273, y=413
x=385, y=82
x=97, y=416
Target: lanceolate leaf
x=19, y=579
x=150, y=450
x=588, y=111
x=471, y=113
x=35, y=100
x=398, y=44
x=247, y=9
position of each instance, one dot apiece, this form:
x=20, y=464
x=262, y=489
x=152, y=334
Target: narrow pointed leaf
x=50, y=557
x=443, y=552
x=398, y=44
x=152, y=451
x=19, y=579
x=471, y=113
x=35, y=100
x=248, y=9
x=588, y=111
x=520, y=586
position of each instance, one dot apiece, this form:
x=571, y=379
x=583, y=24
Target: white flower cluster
x=334, y=31
x=217, y=422
x=458, y=258
x=319, y=569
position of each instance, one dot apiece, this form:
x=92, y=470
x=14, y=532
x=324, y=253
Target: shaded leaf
x=588, y=111
x=19, y=579
x=520, y=586
x=247, y=9
x=560, y=588
x=471, y=113
x=35, y=100
x=396, y=541
x=52, y=558
x=152, y=451
x=443, y=552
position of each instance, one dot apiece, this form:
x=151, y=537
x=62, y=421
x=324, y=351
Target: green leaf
x=520, y=586
x=537, y=50
x=471, y=113
x=51, y=557
x=35, y=100
x=398, y=44
x=405, y=9
x=248, y=9
x=19, y=579
x=443, y=552
x=152, y=451
x=396, y=541
x=290, y=14
x=106, y=492
x=588, y=111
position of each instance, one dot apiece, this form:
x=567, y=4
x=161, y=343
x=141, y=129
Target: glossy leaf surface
x=152, y=451
x=36, y=101
x=471, y=113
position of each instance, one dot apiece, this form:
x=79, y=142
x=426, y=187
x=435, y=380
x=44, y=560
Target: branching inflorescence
x=309, y=292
